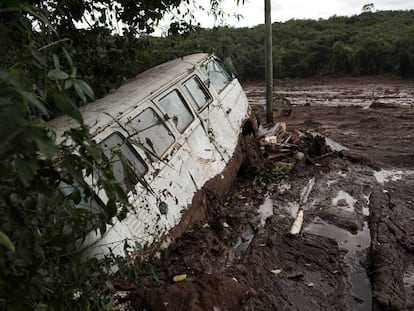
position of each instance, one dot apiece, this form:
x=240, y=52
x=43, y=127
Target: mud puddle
x=244, y=240
x=360, y=298
x=331, y=198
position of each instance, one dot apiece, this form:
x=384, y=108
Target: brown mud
x=355, y=249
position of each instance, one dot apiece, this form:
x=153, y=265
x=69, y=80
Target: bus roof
x=99, y=114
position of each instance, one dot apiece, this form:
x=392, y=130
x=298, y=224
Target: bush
x=45, y=212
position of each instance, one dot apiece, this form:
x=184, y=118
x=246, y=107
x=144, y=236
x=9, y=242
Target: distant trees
x=367, y=44
x=372, y=43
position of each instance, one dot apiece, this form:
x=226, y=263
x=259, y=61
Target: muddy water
x=340, y=93
x=355, y=244
x=264, y=211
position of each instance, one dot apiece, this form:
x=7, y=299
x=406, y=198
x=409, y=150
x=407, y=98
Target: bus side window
x=198, y=92
x=176, y=109
x=148, y=129
x=126, y=172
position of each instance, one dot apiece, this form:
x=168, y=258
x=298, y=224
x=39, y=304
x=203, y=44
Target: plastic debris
x=297, y=224
x=304, y=195
x=277, y=130
x=299, y=156
x=276, y=271
x=270, y=139
x=179, y=277
x=265, y=210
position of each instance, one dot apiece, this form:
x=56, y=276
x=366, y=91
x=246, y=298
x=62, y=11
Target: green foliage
x=277, y=172
x=40, y=268
x=42, y=226
x=372, y=43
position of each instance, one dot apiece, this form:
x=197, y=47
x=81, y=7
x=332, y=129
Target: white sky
x=283, y=10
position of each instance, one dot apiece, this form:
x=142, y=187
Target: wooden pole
x=268, y=63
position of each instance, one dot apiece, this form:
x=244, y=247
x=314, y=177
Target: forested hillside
x=367, y=44
x=380, y=43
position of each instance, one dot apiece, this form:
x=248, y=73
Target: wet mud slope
x=355, y=247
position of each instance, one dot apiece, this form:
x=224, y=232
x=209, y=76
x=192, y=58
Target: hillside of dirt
x=355, y=248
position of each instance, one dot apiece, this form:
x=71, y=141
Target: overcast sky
x=283, y=10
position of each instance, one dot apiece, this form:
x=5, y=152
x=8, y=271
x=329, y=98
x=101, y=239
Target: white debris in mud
x=367, y=197
x=335, y=146
x=365, y=209
x=293, y=208
x=279, y=126
x=345, y=197
x=271, y=139
x=329, y=183
x=265, y=210
x=297, y=224
x=408, y=277
x=304, y=195
x=341, y=174
x=383, y=176
x=283, y=187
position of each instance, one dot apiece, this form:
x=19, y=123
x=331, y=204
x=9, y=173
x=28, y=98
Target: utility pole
x=268, y=63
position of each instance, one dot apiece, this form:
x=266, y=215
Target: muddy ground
x=355, y=249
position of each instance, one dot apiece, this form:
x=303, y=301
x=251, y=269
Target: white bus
x=190, y=115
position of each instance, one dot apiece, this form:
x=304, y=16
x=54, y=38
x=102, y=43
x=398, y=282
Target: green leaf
x=47, y=148
x=75, y=196
x=67, y=106
x=68, y=84
x=86, y=89
x=94, y=150
x=6, y=242
x=111, y=208
x=56, y=62
x=32, y=99
x=79, y=90
x=102, y=228
x=26, y=170
x=57, y=74
x=68, y=56
x=4, y=75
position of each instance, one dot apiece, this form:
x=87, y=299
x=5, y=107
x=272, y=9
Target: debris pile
x=277, y=143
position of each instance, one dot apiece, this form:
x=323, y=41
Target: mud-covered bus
x=187, y=118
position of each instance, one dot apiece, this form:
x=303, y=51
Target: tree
x=46, y=207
